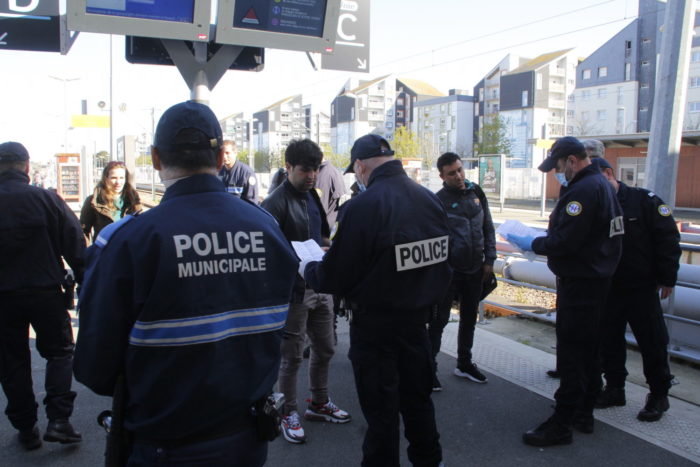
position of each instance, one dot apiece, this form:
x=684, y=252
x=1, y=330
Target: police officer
x=37, y=230
x=389, y=260
x=238, y=177
x=583, y=247
x=649, y=266
x=187, y=302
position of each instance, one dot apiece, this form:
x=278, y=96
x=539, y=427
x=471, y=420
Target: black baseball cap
x=562, y=147
x=13, y=152
x=601, y=163
x=185, y=115
x=366, y=147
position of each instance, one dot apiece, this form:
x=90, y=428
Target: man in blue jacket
x=187, y=302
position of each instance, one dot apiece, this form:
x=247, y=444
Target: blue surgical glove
x=524, y=242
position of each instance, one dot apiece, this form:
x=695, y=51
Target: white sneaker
x=291, y=428
x=328, y=412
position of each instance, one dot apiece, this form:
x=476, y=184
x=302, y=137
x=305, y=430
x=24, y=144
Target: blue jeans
x=241, y=449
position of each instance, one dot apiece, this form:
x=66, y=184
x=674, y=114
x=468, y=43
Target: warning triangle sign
x=251, y=17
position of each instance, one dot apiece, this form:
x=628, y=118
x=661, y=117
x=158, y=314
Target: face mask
x=361, y=186
x=562, y=179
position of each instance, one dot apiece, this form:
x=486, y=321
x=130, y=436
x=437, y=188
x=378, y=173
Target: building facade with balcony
x=235, y=128
x=317, y=125
x=445, y=124
x=377, y=106
x=277, y=124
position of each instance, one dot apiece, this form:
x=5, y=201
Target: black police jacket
x=37, y=229
x=651, y=244
x=471, y=228
x=188, y=301
x=584, y=237
x=288, y=206
x=240, y=180
x=390, y=252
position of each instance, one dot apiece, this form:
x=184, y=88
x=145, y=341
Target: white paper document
x=307, y=252
x=516, y=227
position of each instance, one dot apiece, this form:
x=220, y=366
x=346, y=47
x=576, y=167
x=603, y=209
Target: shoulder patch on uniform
x=252, y=181
x=651, y=194
x=574, y=208
x=665, y=210
x=107, y=232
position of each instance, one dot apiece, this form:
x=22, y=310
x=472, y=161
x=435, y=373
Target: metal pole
x=669, y=100
x=200, y=88
x=543, y=200
x=112, y=156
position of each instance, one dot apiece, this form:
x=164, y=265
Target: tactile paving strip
x=678, y=431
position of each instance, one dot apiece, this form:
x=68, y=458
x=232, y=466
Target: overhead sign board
x=30, y=25
x=89, y=121
x=166, y=19
x=149, y=51
x=304, y=25
x=351, y=51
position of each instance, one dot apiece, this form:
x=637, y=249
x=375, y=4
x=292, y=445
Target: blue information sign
x=299, y=17
x=181, y=11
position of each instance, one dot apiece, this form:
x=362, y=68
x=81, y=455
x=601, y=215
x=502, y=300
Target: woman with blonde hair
x=113, y=198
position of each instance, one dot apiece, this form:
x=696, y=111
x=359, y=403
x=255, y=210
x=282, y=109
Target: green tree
x=101, y=158
x=261, y=161
x=144, y=160
x=339, y=160
x=493, y=137
x=406, y=144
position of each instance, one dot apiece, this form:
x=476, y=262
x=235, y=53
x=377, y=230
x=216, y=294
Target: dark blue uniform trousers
x=392, y=363
x=46, y=312
x=242, y=449
x=580, y=304
x=640, y=307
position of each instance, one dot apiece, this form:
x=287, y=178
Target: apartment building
x=376, y=106
x=317, y=125
x=277, y=124
x=235, y=127
x=445, y=124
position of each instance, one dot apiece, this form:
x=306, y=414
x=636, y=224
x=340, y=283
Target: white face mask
x=361, y=186
x=561, y=178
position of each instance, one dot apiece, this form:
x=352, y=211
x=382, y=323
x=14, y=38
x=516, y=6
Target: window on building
x=523, y=99
x=644, y=85
x=695, y=57
x=628, y=71
x=495, y=108
x=399, y=101
x=481, y=94
x=602, y=93
x=645, y=62
x=644, y=109
x=602, y=72
x=585, y=95
x=586, y=74
x=571, y=98
x=399, y=113
x=646, y=40
x=538, y=80
x=570, y=113
x=695, y=81
x=620, y=95
x=585, y=115
x=694, y=106
x=602, y=115
x=476, y=110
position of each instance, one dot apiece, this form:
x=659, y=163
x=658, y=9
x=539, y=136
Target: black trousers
x=46, y=313
x=580, y=304
x=466, y=288
x=641, y=308
x=392, y=363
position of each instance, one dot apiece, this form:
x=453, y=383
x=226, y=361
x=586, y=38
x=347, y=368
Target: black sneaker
x=550, y=433
x=29, y=438
x=583, y=423
x=654, y=408
x=437, y=387
x=470, y=372
x=610, y=397
x=61, y=431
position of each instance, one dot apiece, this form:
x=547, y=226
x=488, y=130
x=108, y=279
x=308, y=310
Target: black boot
x=610, y=397
x=550, y=433
x=655, y=407
x=29, y=438
x=583, y=422
x=61, y=431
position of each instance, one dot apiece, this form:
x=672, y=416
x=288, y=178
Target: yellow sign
x=544, y=143
x=89, y=121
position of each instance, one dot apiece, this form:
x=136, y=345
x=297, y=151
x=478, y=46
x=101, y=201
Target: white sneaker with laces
x=328, y=412
x=291, y=428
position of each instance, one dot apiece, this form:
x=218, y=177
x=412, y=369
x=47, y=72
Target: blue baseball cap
x=366, y=147
x=185, y=115
x=13, y=152
x=601, y=163
x=563, y=147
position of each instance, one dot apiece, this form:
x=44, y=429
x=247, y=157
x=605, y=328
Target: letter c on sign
x=341, y=33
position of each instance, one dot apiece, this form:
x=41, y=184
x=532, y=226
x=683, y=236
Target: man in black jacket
x=238, y=177
x=37, y=230
x=299, y=212
x=472, y=255
x=649, y=266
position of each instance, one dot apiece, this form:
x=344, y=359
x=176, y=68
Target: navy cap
x=13, y=152
x=562, y=147
x=366, y=147
x=601, y=163
x=185, y=115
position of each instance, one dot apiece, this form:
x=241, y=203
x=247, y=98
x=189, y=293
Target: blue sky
x=447, y=43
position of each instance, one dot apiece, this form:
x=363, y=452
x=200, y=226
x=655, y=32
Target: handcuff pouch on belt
x=268, y=416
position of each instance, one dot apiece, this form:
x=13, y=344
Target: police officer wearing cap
x=37, y=231
x=187, y=302
x=237, y=176
x=389, y=260
x=648, y=267
x=583, y=248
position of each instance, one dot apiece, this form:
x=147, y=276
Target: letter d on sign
x=33, y=4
